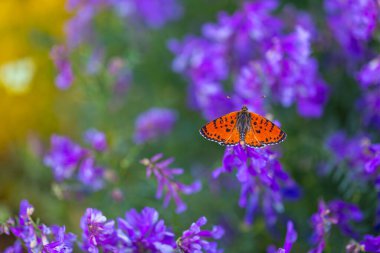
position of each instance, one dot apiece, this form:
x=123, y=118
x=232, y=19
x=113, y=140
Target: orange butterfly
x=244, y=128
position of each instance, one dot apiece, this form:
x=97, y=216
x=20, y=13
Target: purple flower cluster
x=194, y=239
x=80, y=30
x=352, y=23
x=165, y=180
x=369, y=104
x=371, y=244
x=154, y=123
x=370, y=73
x=142, y=232
x=252, y=49
x=361, y=157
x=291, y=237
x=38, y=238
x=154, y=13
x=262, y=178
x=96, y=139
x=65, y=77
x=119, y=69
x=137, y=232
x=97, y=232
x=66, y=156
x=337, y=213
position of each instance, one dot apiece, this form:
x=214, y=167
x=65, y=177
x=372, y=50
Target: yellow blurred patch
x=28, y=29
x=16, y=76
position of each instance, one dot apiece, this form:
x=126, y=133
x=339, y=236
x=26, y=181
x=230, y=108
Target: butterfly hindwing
x=263, y=132
x=222, y=130
x=251, y=140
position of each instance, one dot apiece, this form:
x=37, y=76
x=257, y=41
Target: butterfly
x=244, y=128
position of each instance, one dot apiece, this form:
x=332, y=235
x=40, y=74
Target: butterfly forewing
x=263, y=132
x=222, y=130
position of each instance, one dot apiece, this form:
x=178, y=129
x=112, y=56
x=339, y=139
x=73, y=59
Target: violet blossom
x=166, y=181
x=261, y=177
x=337, y=213
x=370, y=73
x=155, y=13
x=15, y=248
x=66, y=158
x=251, y=48
x=144, y=232
x=137, y=232
x=362, y=159
x=154, y=123
x=98, y=233
x=122, y=74
x=96, y=139
x=194, y=240
x=352, y=23
x=371, y=244
x=90, y=174
x=60, y=57
x=39, y=238
x=369, y=107
x=291, y=237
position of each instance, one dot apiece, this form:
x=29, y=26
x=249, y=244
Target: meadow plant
x=137, y=79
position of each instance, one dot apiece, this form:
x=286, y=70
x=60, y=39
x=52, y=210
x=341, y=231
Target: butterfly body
x=243, y=127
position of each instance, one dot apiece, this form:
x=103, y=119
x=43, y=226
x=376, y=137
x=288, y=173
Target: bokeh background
x=33, y=108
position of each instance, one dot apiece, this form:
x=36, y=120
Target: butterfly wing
x=222, y=130
x=263, y=132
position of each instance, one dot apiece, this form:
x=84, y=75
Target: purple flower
x=357, y=152
x=293, y=17
x=371, y=244
x=15, y=248
x=337, y=213
x=291, y=237
x=54, y=239
x=352, y=23
x=369, y=106
x=24, y=229
x=98, y=233
x=39, y=238
x=119, y=69
x=261, y=177
x=64, y=157
x=155, y=13
x=65, y=78
x=154, y=123
x=361, y=158
x=251, y=50
x=295, y=74
x=79, y=29
x=344, y=213
x=91, y=175
x=96, y=139
x=165, y=180
x=194, y=240
x=144, y=232
x=321, y=223
x=370, y=73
